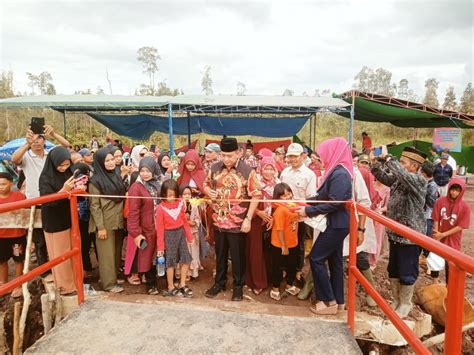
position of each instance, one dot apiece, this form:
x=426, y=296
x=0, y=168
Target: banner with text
x=448, y=138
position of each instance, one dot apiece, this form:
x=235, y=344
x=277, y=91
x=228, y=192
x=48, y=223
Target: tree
x=100, y=91
x=431, y=97
x=450, y=100
x=43, y=82
x=467, y=100
x=6, y=84
x=404, y=92
x=241, y=88
x=206, y=81
x=376, y=82
x=288, y=92
x=149, y=57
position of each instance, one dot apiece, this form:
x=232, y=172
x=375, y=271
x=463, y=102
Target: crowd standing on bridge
x=268, y=213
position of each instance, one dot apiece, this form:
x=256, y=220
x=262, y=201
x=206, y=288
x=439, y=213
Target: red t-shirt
x=12, y=232
x=442, y=213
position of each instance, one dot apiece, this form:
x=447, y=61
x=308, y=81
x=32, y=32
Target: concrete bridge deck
x=105, y=326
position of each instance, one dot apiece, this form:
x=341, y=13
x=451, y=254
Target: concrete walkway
x=103, y=326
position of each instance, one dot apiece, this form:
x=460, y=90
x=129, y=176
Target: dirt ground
x=34, y=329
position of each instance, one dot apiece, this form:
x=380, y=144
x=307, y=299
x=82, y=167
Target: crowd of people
x=268, y=213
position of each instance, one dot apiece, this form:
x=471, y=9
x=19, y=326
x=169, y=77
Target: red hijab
x=198, y=174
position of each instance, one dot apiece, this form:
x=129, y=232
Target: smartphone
x=143, y=244
x=81, y=181
x=37, y=125
x=152, y=148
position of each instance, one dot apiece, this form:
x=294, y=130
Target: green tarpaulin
x=464, y=158
x=371, y=111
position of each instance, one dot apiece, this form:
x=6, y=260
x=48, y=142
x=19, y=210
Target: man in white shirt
x=302, y=182
x=31, y=157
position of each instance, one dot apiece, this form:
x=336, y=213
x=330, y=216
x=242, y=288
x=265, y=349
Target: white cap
x=294, y=149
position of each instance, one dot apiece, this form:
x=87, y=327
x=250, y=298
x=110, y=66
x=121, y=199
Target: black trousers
x=234, y=243
x=403, y=262
x=86, y=241
x=279, y=260
x=40, y=248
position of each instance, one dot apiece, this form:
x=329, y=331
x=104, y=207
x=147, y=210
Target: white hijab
x=136, y=154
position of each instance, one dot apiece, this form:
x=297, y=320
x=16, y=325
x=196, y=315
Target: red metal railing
x=74, y=253
x=459, y=264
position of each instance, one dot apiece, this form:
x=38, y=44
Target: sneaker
x=214, y=291
x=237, y=295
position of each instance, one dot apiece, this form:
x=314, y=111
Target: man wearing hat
x=443, y=172
x=406, y=206
x=211, y=155
x=302, y=181
x=229, y=181
x=87, y=156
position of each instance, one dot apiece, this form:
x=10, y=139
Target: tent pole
x=314, y=130
x=170, y=126
x=65, y=127
x=414, y=137
x=189, y=130
x=351, y=123
x=311, y=132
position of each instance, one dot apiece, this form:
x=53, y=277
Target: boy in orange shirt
x=12, y=241
x=284, y=242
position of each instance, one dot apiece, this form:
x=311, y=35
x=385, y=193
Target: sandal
x=170, y=293
x=257, y=291
x=321, y=308
x=115, y=289
x=134, y=280
x=293, y=290
x=186, y=291
x=153, y=291
x=275, y=295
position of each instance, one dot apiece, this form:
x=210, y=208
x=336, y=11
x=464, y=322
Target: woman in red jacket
x=141, y=242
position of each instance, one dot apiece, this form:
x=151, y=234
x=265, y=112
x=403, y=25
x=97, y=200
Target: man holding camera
x=30, y=157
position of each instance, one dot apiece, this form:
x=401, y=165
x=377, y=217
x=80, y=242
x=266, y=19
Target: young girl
x=194, y=219
x=284, y=247
x=192, y=173
x=173, y=230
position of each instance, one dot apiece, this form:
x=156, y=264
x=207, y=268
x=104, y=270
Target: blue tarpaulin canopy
x=142, y=126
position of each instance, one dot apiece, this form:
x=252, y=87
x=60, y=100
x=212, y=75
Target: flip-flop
x=257, y=291
x=134, y=280
x=293, y=290
x=275, y=295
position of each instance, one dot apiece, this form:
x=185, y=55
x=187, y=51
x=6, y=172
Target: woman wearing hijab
x=107, y=216
x=256, y=271
x=56, y=216
x=138, y=153
x=166, y=166
x=141, y=240
x=192, y=173
x=336, y=185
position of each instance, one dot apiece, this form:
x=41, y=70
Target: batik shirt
x=238, y=183
x=407, y=196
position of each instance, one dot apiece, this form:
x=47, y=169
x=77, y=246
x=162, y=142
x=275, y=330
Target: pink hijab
x=265, y=152
x=266, y=160
x=334, y=152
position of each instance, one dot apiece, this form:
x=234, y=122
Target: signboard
x=448, y=138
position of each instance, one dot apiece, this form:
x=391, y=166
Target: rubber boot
x=368, y=275
x=395, y=284
x=406, y=294
x=307, y=288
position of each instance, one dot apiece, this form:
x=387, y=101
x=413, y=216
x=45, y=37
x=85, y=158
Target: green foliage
x=6, y=84
x=450, y=100
x=431, y=96
x=206, y=81
x=467, y=100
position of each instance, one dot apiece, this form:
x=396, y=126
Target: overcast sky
x=268, y=45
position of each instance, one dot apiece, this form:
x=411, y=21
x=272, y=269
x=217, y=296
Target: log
x=26, y=269
x=17, y=349
x=3, y=338
x=437, y=339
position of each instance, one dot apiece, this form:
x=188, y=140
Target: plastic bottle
x=160, y=266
